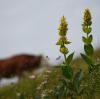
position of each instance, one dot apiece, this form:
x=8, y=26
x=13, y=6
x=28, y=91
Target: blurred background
x=30, y=26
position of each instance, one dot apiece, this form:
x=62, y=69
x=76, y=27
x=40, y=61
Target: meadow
x=77, y=78
x=43, y=84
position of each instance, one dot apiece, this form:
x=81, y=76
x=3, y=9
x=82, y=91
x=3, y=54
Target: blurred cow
x=15, y=65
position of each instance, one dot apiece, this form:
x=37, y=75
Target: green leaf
x=88, y=49
x=87, y=40
x=89, y=30
x=67, y=71
x=69, y=58
x=94, y=67
x=87, y=60
x=84, y=39
x=90, y=38
x=85, y=29
x=77, y=79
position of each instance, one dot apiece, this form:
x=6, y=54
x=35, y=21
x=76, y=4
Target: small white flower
x=18, y=94
x=32, y=77
x=44, y=94
x=48, y=71
x=39, y=87
x=45, y=82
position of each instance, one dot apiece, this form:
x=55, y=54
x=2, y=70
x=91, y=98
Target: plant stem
x=87, y=35
x=65, y=58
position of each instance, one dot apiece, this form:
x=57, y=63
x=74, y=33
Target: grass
x=42, y=84
x=25, y=86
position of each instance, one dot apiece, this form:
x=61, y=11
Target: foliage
x=93, y=68
x=70, y=86
x=88, y=48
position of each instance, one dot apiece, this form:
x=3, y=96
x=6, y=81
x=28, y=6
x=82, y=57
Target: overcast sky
x=30, y=26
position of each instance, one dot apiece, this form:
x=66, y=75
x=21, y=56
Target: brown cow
x=17, y=64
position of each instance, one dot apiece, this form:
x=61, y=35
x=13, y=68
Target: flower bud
x=87, y=29
x=64, y=50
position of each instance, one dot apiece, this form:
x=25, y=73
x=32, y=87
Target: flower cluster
x=87, y=17
x=87, y=22
x=63, y=28
x=87, y=30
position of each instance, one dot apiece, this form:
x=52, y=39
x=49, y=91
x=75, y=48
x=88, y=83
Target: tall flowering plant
x=62, y=42
x=93, y=78
x=87, y=40
x=63, y=28
x=70, y=85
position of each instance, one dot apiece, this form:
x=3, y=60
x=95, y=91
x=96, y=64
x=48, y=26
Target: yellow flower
x=87, y=17
x=63, y=40
x=63, y=27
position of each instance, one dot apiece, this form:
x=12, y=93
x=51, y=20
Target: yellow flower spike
x=63, y=40
x=60, y=42
x=87, y=17
x=63, y=27
x=64, y=50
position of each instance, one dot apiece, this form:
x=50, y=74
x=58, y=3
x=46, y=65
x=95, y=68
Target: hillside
x=41, y=85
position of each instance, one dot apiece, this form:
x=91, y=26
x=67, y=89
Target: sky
x=30, y=26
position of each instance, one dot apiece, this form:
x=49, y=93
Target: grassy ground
x=28, y=88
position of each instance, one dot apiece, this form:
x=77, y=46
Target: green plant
x=87, y=40
x=66, y=68
x=92, y=80
x=69, y=86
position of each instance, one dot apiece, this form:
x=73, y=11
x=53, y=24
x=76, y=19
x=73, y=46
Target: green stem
x=65, y=58
x=87, y=35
